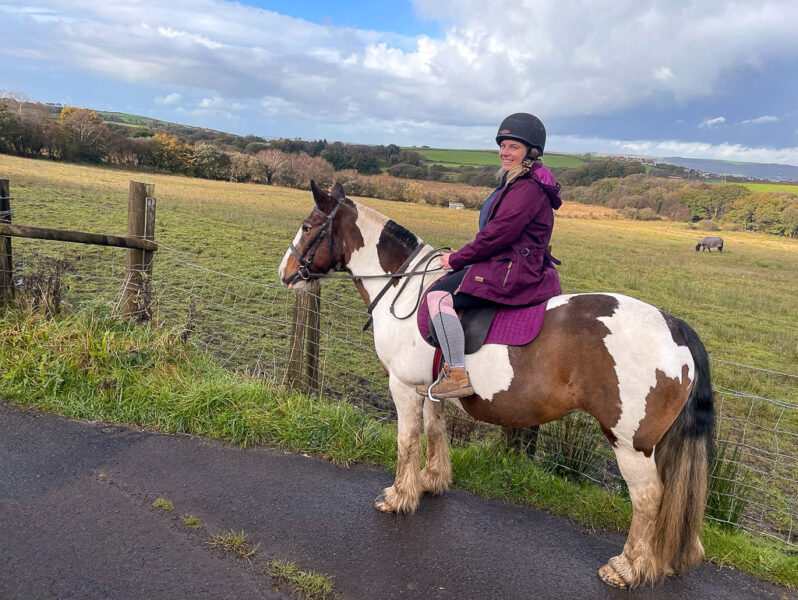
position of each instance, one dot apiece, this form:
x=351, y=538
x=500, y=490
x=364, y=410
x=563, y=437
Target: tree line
x=709, y=205
x=81, y=135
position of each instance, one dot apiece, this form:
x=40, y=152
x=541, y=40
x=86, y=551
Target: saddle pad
x=512, y=325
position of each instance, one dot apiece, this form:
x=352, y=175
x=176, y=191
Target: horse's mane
x=389, y=227
x=402, y=235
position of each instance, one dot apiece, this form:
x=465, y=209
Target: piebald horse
x=642, y=373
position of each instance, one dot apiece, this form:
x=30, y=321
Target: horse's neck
x=396, y=247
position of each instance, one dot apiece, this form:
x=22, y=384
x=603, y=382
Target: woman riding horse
x=640, y=372
x=508, y=262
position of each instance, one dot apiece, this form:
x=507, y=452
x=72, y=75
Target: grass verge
x=89, y=365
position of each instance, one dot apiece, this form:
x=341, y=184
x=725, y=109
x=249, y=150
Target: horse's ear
x=338, y=191
x=323, y=200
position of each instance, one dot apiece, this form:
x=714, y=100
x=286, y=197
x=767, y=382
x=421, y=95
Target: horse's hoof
x=381, y=504
x=610, y=576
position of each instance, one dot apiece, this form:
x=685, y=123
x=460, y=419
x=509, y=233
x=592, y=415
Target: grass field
x=742, y=302
x=482, y=158
x=790, y=188
x=129, y=120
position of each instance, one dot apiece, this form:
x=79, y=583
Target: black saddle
x=476, y=323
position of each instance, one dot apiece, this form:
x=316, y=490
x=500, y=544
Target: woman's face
x=511, y=153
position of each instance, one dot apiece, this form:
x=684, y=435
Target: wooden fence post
x=303, y=353
x=6, y=263
x=137, y=295
x=312, y=343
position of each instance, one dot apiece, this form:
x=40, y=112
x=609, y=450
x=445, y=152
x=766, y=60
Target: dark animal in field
x=708, y=243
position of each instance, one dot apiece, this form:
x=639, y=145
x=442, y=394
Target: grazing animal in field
x=642, y=373
x=708, y=243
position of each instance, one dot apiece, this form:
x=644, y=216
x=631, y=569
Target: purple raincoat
x=509, y=261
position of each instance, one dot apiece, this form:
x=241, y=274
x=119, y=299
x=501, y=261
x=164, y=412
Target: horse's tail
x=682, y=457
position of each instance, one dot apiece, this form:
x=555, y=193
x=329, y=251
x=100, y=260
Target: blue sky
x=697, y=78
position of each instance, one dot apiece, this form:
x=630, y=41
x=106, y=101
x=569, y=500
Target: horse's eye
x=305, y=228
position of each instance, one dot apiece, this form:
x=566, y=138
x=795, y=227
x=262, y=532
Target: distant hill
x=765, y=171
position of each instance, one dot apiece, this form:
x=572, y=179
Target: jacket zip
x=507, y=274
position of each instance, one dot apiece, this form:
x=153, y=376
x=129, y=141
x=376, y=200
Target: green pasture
x=741, y=302
x=128, y=119
x=790, y=188
x=482, y=158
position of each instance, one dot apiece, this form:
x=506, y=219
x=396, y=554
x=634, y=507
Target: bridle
x=305, y=260
x=309, y=253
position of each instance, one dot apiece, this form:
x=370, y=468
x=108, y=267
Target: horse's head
x=319, y=244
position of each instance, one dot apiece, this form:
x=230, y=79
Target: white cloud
x=714, y=122
x=762, y=119
x=663, y=73
x=738, y=152
x=555, y=59
x=169, y=99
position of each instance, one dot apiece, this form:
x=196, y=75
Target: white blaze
x=281, y=268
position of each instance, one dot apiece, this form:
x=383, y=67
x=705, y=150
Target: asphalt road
x=76, y=521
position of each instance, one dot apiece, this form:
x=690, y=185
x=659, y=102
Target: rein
x=305, y=260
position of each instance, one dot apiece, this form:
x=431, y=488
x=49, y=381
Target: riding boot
x=453, y=383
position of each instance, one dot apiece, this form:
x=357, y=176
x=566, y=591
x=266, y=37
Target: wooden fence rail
x=80, y=237
x=140, y=244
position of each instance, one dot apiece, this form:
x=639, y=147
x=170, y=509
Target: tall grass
x=729, y=486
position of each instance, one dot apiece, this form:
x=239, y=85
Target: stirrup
x=429, y=389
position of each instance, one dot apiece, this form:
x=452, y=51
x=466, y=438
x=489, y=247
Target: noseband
x=309, y=253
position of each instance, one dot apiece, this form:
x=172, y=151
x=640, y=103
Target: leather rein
x=305, y=259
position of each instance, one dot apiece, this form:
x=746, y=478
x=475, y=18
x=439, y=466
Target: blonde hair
x=526, y=164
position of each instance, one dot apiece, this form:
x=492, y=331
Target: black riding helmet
x=525, y=128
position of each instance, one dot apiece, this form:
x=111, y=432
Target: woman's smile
x=511, y=153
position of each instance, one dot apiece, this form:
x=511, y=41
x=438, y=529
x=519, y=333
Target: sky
x=695, y=78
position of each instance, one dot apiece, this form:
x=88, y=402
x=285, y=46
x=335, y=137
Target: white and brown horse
x=643, y=374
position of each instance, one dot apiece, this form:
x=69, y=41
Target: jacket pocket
x=507, y=273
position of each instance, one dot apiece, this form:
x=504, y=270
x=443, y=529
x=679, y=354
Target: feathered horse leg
x=436, y=476
x=638, y=562
x=403, y=495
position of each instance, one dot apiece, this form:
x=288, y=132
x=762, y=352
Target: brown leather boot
x=453, y=383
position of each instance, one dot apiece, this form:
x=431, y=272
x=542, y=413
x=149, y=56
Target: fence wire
x=246, y=325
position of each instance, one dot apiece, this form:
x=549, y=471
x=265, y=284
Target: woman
x=508, y=262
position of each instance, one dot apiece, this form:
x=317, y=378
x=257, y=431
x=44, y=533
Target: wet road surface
x=76, y=521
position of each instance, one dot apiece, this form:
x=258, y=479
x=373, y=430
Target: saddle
x=476, y=323
x=508, y=325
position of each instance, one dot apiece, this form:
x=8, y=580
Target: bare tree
x=270, y=162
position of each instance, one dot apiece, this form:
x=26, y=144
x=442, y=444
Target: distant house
x=456, y=205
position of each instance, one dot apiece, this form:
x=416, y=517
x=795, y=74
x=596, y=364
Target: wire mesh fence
x=246, y=325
